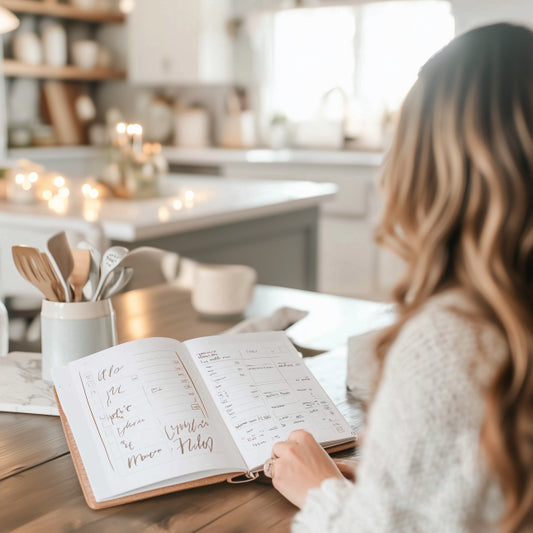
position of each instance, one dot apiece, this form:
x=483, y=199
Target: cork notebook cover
x=236, y=478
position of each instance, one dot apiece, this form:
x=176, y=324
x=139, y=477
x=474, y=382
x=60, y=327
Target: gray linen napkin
x=280, y=319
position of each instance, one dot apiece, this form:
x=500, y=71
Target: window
x=313, y=53
x=355, y=63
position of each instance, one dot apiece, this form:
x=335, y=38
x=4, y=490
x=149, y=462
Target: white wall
x=472, y=13
x=468, y=14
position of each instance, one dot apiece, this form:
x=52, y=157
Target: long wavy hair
x=458, y=191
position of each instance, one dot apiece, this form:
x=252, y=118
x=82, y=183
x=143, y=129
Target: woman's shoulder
x=451, y=335
x=449, y=317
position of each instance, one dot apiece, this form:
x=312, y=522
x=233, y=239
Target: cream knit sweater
x=422, y=467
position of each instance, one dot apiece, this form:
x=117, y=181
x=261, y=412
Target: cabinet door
x=347, y=260
x=179, y=41
x=348, y=255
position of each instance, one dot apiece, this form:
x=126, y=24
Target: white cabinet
x=347, y=257
x=180, y=42
x=349, y=261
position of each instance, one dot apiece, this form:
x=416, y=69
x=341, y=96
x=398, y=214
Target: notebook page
x=264, y=390
x=140, y=416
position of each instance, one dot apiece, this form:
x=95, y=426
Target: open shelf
x=69, y=72
x=67, y=11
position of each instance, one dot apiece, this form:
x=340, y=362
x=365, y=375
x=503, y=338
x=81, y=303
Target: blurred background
x=250, y=89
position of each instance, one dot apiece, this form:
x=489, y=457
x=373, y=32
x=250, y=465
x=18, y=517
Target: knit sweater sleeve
x=421, y=467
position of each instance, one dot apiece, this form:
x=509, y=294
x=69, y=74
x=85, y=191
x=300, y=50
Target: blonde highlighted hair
x=458, y=188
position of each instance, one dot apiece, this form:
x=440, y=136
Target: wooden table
x=39, y=490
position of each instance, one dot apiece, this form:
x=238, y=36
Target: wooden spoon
x=80, y=272
x=61, y=259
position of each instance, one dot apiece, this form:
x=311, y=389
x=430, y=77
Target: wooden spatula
x=31, y=267
x=80, y=272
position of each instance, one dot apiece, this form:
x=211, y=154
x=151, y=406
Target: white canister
x=73, y=330
x=54, y=45
x=238, y=130
x=191, y=127
x=27, y=48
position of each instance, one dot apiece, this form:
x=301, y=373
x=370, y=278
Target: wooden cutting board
x=58, y=103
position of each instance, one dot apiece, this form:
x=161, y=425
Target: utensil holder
x=72, y=330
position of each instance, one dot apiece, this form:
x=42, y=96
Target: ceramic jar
x=85, y=54
x=191, y=127
x=27, y=48
x=54, y=41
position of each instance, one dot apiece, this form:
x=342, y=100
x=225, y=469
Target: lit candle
x=90, y=192
x=136, y=132
x=57, y=194
x=21, y=188
x=189, y=199
x=121, y=136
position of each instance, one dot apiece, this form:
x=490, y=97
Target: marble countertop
x=223, y=156
x=187, y=203
x=217, y=156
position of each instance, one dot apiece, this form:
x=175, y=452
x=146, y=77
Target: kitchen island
x=269, y=225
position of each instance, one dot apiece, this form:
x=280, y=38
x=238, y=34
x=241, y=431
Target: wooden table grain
x=39, y=490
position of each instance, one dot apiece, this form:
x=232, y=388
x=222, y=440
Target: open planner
x=155, y=415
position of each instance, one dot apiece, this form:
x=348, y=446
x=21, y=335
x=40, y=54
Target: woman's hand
x=299, y=464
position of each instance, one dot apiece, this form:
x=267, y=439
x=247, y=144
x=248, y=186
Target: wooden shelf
x=69, y=72
x=67, y=11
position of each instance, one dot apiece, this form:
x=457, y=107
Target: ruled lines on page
x=149, y=415
x=264, y=391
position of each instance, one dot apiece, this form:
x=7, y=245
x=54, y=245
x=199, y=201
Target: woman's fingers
x=280, y=449
x=297, y=465
x=297, y=437
x=268, y=467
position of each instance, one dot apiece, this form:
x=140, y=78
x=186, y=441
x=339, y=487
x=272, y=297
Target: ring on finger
x=268, y=467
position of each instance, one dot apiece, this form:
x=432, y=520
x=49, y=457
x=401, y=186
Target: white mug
x=222, y=290
x=72, y=330
x=85, y=54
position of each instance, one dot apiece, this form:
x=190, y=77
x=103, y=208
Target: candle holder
x=133, y=168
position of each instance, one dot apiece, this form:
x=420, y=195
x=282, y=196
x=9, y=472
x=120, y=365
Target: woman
x=449, y=440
